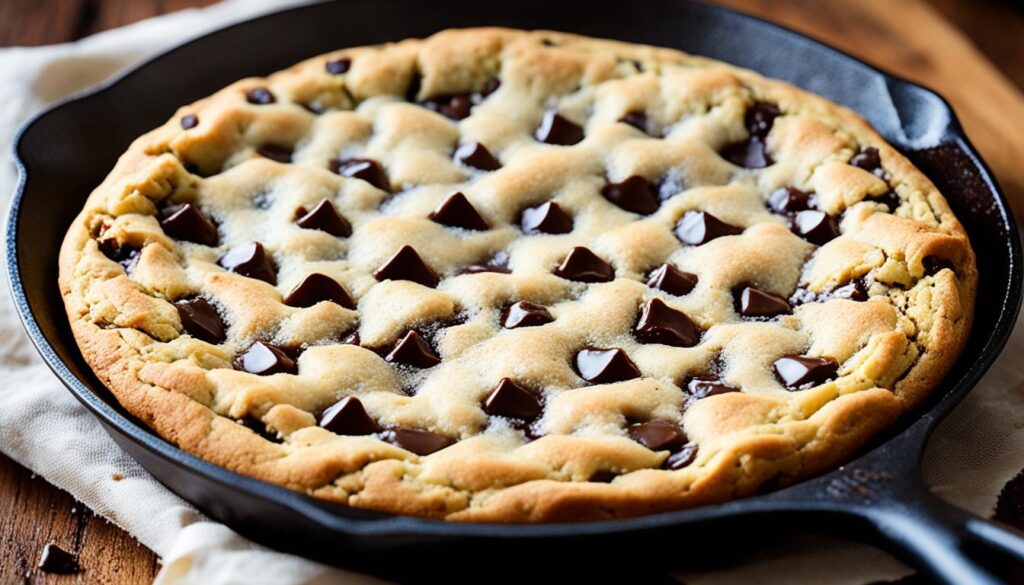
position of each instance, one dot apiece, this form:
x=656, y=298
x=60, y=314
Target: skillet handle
x=950, y=544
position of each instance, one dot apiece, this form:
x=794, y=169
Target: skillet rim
x=339, y=518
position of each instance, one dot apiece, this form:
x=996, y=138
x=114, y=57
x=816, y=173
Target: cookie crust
x=120, y=273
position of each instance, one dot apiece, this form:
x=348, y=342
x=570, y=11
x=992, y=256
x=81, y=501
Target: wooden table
x=913, y=38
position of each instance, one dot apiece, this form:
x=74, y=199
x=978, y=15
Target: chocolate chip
x=798, y=372
x=790, y=200
x=281, y=154
x=934, y=264
x=498, y=263
x=702, y=388
x=700, y=227
x=582, y=265
x=406, y=264
x=554, y=129
x=512, y=400
x=457, y=211
x=760, y=117
x=264, y=359
x=603, y=366
x=658, y=435
x=889, y=199
x=635, y=194
x=855, y=290
x=366, y=169
x=752, y=302
x=324, y=217
x=670, y=279
x=190, y=121
x=750, y=153
x=125, y=255
x=490, y=87
x=637, y=120
x=413, y=351
x=417, y=441
x=348, y=417
x=260, y=96
x=525, y=314
x=250, y=260
x=338, y=66
x=867, y=159
x=456, y=106
x=476, y=155
x=816, y=227
x=682, y=458
x=201, y=320
x=660, y=323
x=316, y=288
x=185, y=222
x=58, y=561
x=548, y=218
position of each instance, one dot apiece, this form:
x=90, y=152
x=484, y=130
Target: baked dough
x=518, y=277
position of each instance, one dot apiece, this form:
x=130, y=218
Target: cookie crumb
x=117, y=477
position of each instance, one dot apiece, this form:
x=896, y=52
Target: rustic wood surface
x=968, y=50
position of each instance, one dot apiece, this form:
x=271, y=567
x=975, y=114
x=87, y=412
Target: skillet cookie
x=508, y=276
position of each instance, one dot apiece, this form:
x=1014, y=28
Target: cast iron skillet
x=66, y=151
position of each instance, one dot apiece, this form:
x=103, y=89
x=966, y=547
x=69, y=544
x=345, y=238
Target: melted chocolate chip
x=554, y=129
x=548, y=218
x=413, y=351
x=658, y=435
x=201, y=320
x=338, y=66
x=670, y=279
x=752, y=152
x=125, y=255
x=867, y=159
x=582, y=265
x=855, y=290
x=682, y=458
x=604, y=366
x=512, y=400
x=406, y=264
x=185, y=222
x=702, y=388
x=660, y=323
x=324, y=217
x=752, y=302
x=498, y=263
x=700, y=227
x=366, y=169
x=492, y=86
x=525, y=314
x=260, y=96
x=476, y=155
x=276, y=152
x=190, y=121
x=457, y=211
x=637, y=120
x=790, y=200
x=456, y=106
x=250, y=260
x=348, y=417
x=798, y=372
x=417, y=441
x=635, y=194
x=316, y=288
x=934, y=264
x=58, y=561
x=816, y=227
x=264, y=359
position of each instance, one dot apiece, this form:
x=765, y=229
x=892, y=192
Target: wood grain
x=912, y=38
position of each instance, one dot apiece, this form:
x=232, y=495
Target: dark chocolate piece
x=250, y=260
x=264, y=359
x=797, y=372
x=554, y=129
x=752, y=302
x=316, y=288
x=406, y=264
x=635, y=194
x=324, y=217
x=700, y=227
x=476, y=155
x=417, y=441
x=338, y=66
x=413, y=350
x=260, y=96
x=604, y=366
x=201, y=320
x=816, y=227
x=670, y=279
x=190, y=121
x=525, y=314
x=658, y=435
x=185, y=222
x=548, y=218
x=348, y=417
x=703, y=387
x=582, y=265
x=512, y=400
x=457, y=211
x=276, y=152
x=660, y=323
x=366, y=169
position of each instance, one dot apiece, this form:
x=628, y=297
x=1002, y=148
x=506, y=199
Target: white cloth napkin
x=975, y=452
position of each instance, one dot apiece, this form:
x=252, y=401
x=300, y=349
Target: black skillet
x=880, y=498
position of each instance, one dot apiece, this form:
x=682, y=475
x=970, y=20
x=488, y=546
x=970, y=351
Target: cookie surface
x=497, y=275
